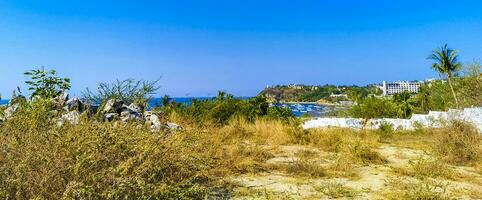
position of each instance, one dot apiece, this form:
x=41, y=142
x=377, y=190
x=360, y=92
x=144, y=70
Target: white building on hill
x=399, y=87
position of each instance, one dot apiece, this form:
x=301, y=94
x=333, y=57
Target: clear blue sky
x=202, y=46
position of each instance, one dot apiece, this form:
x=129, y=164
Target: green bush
x=373, y=107
x=280, y=113
x=224, y=107
x=386, y=130
x=46, y=84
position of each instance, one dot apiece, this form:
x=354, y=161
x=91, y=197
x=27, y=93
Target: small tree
x=129, y=91
x=403, y=100
x=46, y=84
x=446, y=63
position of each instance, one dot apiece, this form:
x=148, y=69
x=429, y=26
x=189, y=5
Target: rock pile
x=113, y=110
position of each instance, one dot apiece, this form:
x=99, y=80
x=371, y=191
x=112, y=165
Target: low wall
x=432, y=119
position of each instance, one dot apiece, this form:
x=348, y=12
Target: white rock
x=112, y=106
x=73, y=117
x=153, y=120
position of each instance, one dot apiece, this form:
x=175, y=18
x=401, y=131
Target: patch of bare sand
x=369, y=184
x=287, y=154
x=371, y=178
x=399, y=156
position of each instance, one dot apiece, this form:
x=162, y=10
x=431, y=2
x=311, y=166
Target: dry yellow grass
x=39, y=159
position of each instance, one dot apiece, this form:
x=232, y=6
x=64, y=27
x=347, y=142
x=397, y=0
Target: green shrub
x=386, y=130
x=373, y=107
x=280, y=113
x=46, y=84
x=224, y=107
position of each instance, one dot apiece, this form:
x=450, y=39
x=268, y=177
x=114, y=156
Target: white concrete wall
x=432, y=119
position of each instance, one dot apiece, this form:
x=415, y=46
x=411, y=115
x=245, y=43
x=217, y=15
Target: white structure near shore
x=433, y=119
x=399, y=87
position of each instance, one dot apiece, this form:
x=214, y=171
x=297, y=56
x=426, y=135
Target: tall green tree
x=446, y=63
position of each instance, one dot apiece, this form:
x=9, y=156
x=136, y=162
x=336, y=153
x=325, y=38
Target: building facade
x=399, y=87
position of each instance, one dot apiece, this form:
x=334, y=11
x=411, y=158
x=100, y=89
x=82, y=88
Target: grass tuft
x=335, y=189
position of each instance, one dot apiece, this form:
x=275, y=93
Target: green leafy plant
x=46, y=83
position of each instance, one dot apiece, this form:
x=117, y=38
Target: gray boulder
x=113, y=106
x=72, y=117
x=172, y=127
x=135, y=108
x=129, y=115
x=74, y=104
x=111, y=116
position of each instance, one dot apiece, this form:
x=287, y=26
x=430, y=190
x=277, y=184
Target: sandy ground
x=369, y=184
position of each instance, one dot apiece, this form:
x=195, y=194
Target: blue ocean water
x=185, y=100
x=297, y=109
x=3, y=102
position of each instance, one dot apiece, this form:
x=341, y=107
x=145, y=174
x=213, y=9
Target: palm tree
x=403, y=99
x=446, y=63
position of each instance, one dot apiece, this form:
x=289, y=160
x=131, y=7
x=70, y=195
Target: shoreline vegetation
x=53, y=146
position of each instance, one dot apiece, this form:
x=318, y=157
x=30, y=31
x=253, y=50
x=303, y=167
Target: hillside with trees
x=329, y=93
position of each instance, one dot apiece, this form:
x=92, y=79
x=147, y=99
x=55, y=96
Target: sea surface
x=298, y=110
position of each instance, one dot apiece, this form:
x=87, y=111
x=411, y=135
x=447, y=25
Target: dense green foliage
x=373, y=107
x=224, y=107
x=46, y=84
x=304, y=93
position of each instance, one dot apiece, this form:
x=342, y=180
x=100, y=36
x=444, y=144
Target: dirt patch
x=369, y=184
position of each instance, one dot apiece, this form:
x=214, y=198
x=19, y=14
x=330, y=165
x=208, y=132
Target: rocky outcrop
x=111, y=117
x=116, y=109
x=72, y=117
x=153, y=120
x=113, y=106
x=74, y=104
x=72, y=109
